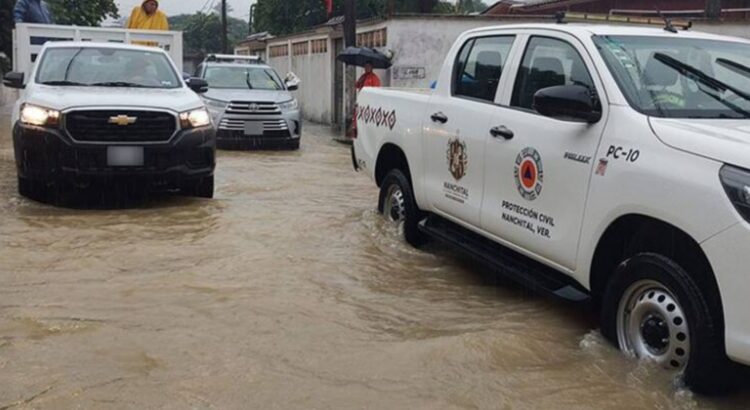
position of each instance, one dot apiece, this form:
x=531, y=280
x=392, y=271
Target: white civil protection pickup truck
x=594, y=162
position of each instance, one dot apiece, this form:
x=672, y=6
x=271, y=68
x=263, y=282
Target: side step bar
x=506, y=262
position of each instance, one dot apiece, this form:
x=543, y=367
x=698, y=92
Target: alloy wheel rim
x=652, y=325
x=395, y=207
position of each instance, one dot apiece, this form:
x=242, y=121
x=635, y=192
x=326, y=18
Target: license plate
x=125, y=156
x=253, y=128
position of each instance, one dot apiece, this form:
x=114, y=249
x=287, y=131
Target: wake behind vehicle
x=250, y=104
x=590, y=162
x=109, y=113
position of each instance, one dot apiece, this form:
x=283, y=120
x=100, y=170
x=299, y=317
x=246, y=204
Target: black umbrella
x=360, y=56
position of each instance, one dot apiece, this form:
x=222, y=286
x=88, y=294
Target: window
x=319, y=46
x=479, y=66
x=299, y=49
x=547, y=63
x=679, y=77
x=278, y=51
x=243, y=78
x=91, y=66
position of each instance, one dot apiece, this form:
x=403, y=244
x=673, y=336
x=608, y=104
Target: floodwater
x=285, y=292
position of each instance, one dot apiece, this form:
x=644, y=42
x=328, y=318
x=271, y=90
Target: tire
x=200, y=188
x=398, y=205
x=653, y=309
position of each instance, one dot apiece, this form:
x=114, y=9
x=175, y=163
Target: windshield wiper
x=64, y=82
x=119, y=84
x=705, y=79
x=734, y=66
x=247, y=81
x=698, y=75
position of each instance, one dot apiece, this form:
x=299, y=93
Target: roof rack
x=233, y=58
x=659, y=21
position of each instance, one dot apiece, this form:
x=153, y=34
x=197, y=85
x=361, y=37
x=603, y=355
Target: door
x=455, y=129
x=538, y=168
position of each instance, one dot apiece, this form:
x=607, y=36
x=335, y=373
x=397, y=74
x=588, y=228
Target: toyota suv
x=250, y=104
x=112, y=113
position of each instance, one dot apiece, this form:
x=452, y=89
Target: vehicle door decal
x=458, y=165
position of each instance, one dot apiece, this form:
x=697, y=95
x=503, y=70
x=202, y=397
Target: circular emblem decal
x=253, y=107
x=529, y=174
x=458, y=160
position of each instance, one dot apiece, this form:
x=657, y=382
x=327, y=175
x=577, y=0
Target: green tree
x=201, y=32
x=82, y=12
x=283, y=16
x=6, y=27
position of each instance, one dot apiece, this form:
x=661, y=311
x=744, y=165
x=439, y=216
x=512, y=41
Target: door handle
x=502, y=131
x=439, y=117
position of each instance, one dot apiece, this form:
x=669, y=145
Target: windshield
x=243, y=77
x=108, y=67
x=680, y=78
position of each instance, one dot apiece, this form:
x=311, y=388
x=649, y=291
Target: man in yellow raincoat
x=148, y=17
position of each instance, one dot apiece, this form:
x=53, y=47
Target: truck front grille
x=239, y=125
x=253, y=108
x=120, y=126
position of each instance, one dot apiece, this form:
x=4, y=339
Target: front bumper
x=50, y=155
x=727, y=253
x=275, y=130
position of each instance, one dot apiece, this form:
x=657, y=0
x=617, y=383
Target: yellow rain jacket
x=142, y=21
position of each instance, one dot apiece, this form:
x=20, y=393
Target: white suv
x=591, y=161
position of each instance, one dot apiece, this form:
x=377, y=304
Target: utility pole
x=224, y=42
x=391, y=8
x=350, y=78
x=713, y=9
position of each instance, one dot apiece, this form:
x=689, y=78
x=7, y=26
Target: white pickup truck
x=594, y=162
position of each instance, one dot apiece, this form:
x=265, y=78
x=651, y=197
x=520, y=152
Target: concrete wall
x=421, y=44
x=314, y=93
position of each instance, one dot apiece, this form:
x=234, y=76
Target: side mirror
x=198, y=85
x=568, y=102
x=291, y=81
x=14, y=80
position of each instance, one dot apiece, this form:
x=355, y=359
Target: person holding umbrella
x=369, y=78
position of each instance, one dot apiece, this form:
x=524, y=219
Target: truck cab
x=595, y=162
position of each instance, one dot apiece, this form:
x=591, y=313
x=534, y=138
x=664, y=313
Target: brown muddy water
x=287, y=291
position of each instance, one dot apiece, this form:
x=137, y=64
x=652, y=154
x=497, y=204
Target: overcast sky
x=174, y=7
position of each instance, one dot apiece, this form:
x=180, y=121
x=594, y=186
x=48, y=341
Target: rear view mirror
x=198, y=85
x=292, y=82
x=568, y=102
x=14, y=80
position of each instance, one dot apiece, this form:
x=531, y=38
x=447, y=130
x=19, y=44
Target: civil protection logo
x=529, y=173
x=458, y=160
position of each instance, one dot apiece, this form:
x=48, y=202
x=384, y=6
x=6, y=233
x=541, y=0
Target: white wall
x=314, y=93
x=424, y=43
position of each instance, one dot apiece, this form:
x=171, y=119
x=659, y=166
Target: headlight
x=216, y=104
x=195, y=118
x=736, y=183
x=39, y=116
x=289, y=105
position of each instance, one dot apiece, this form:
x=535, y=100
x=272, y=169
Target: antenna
x=667, y=21
x=560, y=17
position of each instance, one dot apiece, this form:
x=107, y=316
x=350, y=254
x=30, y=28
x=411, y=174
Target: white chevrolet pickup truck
x=593, y=162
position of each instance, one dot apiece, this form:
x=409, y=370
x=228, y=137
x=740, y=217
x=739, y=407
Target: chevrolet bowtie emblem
x=122, y=120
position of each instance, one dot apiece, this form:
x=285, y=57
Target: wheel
x=654, y=310
x=200, y=188
x=397, y=204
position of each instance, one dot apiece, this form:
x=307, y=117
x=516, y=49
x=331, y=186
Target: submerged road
x=287, y=291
